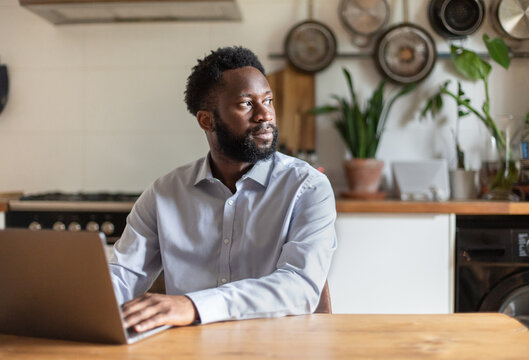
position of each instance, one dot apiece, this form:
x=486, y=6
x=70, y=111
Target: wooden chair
x=324, y=306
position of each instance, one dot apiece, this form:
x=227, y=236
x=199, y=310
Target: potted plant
x=361, y=129
x=469, y=64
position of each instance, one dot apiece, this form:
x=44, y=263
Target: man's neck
x=227, y=170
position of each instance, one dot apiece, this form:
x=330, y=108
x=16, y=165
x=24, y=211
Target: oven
x=492, y=265
x=103, y=212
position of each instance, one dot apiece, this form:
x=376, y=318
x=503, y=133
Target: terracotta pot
x=363, y=175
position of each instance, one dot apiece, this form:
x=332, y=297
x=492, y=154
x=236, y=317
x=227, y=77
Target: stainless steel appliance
x=118, y=11
x=492, y=265
x=106, y=212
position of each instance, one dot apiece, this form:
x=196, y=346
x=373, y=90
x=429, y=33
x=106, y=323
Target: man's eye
x=269, y=101
x=247, y=103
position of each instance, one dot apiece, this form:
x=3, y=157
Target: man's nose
x=265, y=114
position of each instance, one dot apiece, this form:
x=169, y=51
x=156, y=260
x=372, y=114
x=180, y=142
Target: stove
x=97, y=211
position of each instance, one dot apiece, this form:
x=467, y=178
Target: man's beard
x=243, y=148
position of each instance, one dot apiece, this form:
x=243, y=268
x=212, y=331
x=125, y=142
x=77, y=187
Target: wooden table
x=457, y=336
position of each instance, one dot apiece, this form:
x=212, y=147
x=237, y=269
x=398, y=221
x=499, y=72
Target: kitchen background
x=100, y=107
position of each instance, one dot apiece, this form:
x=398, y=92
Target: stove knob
x=108, y=228
x=35, y=225
x=59, y=226
x=92, y=226
x=74, y=226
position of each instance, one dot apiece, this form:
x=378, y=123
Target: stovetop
x=82, y=201
x=82, y=196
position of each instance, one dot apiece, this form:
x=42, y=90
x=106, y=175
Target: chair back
x=324, y=306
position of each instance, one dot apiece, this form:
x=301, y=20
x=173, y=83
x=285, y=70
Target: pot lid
x=513, y=16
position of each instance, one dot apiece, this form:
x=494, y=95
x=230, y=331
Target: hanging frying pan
x=405, y=53
x=310, y=46
x=511, y=18
x=456, y=19
x=363, y=19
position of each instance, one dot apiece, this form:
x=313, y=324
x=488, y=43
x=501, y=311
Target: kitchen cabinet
x=393, y=263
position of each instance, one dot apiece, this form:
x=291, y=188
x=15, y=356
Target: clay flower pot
x=363, y=175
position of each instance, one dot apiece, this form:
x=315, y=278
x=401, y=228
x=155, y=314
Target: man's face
x=245, y=117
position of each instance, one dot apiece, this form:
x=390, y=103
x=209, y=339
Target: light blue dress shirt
x=264, y=251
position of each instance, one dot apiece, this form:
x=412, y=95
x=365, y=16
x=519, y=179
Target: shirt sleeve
x=295, y=286
x=136, y=261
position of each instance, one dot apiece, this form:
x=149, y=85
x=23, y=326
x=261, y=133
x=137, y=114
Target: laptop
x=57, y=285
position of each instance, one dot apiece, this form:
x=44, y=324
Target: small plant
x=472, y=67
x=361, y=130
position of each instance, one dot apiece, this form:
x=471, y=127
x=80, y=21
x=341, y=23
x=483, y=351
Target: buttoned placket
x=227, y=234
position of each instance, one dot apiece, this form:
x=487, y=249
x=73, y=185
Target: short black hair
x=207, y=74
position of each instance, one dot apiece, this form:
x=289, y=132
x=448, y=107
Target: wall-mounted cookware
x=4, y=86
x=310, y=46
x=405, y=53
x=363, y=19
x=455, y=19
x=511, y=18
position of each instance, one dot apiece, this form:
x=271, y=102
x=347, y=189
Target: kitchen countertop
x=450, y=336
x=471, y=207
x=474, y=207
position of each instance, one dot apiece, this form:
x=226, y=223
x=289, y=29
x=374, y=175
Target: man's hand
x=151, y=310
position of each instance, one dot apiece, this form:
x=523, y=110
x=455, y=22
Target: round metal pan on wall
x=363, y=19
x=405, y=53
x=511, y=18
x=455, y=19
x=310, y=46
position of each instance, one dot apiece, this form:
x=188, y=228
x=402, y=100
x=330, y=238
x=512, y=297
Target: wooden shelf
x=477, y=207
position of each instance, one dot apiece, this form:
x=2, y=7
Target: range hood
x=108, y=11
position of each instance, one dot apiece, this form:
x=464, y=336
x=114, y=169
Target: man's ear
x=205, y=120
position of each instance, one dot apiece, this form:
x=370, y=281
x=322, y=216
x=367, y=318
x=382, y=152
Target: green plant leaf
x=349, y=79
x=469, y=63
x=325, y=109
x=498, y=50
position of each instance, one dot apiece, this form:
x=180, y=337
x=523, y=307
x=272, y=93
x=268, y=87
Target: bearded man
x=244, y=232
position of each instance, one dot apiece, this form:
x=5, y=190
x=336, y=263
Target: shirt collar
x=260, y=172
x=204, y=171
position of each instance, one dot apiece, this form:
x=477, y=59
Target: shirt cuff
x=210, y=305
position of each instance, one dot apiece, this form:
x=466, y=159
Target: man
x=244, y=232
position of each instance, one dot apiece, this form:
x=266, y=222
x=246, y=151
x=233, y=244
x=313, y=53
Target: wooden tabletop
x=457, y=336
x=474, y=207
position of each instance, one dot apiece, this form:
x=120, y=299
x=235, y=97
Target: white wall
x=100, y=107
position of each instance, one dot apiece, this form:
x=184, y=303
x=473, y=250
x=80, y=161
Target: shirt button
x=230, y=202
x=224, y=280
x=226, y=241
